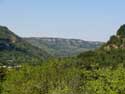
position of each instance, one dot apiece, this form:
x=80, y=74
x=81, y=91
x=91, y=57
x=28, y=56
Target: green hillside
x=111, y=53
x=14, y=49
x=101, y=71
x=63, y=47
x=118, y=40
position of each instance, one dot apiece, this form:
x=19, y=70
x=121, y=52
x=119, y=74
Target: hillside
x=63, y=47
x=111, y=53
x=14, y=49
x=101, y=71
x=116, y=41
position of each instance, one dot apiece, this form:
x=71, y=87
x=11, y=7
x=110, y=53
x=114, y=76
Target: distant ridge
x=14, y=49
x=63, y=47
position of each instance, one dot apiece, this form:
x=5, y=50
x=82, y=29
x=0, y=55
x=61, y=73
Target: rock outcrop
x=117, y=41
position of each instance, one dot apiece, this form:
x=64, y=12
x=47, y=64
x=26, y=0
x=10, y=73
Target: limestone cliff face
x=117, y=41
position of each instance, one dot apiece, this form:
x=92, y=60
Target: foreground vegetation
x=64, y=77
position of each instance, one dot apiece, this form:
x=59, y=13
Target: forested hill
x=117, y=41
x=63, y=47
x=101, y=71
x=14, y=49
x=111, y=53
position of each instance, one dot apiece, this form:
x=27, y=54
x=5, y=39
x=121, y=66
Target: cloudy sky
x=92, y=20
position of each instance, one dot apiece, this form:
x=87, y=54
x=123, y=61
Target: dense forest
x=101, y=71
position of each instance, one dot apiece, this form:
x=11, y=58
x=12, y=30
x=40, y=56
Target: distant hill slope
x=14, y=49
x=111, y=53
x=116, y=41
x=63, y=47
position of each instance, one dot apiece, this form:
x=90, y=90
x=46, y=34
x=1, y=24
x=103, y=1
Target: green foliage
x=113, y=40
x=93, y=72
x=103, y=58
x=65, y=77
x=107, y=81
x=53, y=77
x=2, y=78
x=121, y=31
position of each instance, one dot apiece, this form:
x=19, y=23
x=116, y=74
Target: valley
x=97, y=71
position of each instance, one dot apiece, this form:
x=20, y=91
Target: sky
x=92, y=20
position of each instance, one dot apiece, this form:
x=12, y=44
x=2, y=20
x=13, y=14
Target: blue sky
x=93, y=20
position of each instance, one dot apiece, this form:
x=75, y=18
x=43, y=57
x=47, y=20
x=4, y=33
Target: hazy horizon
x=87, y=20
